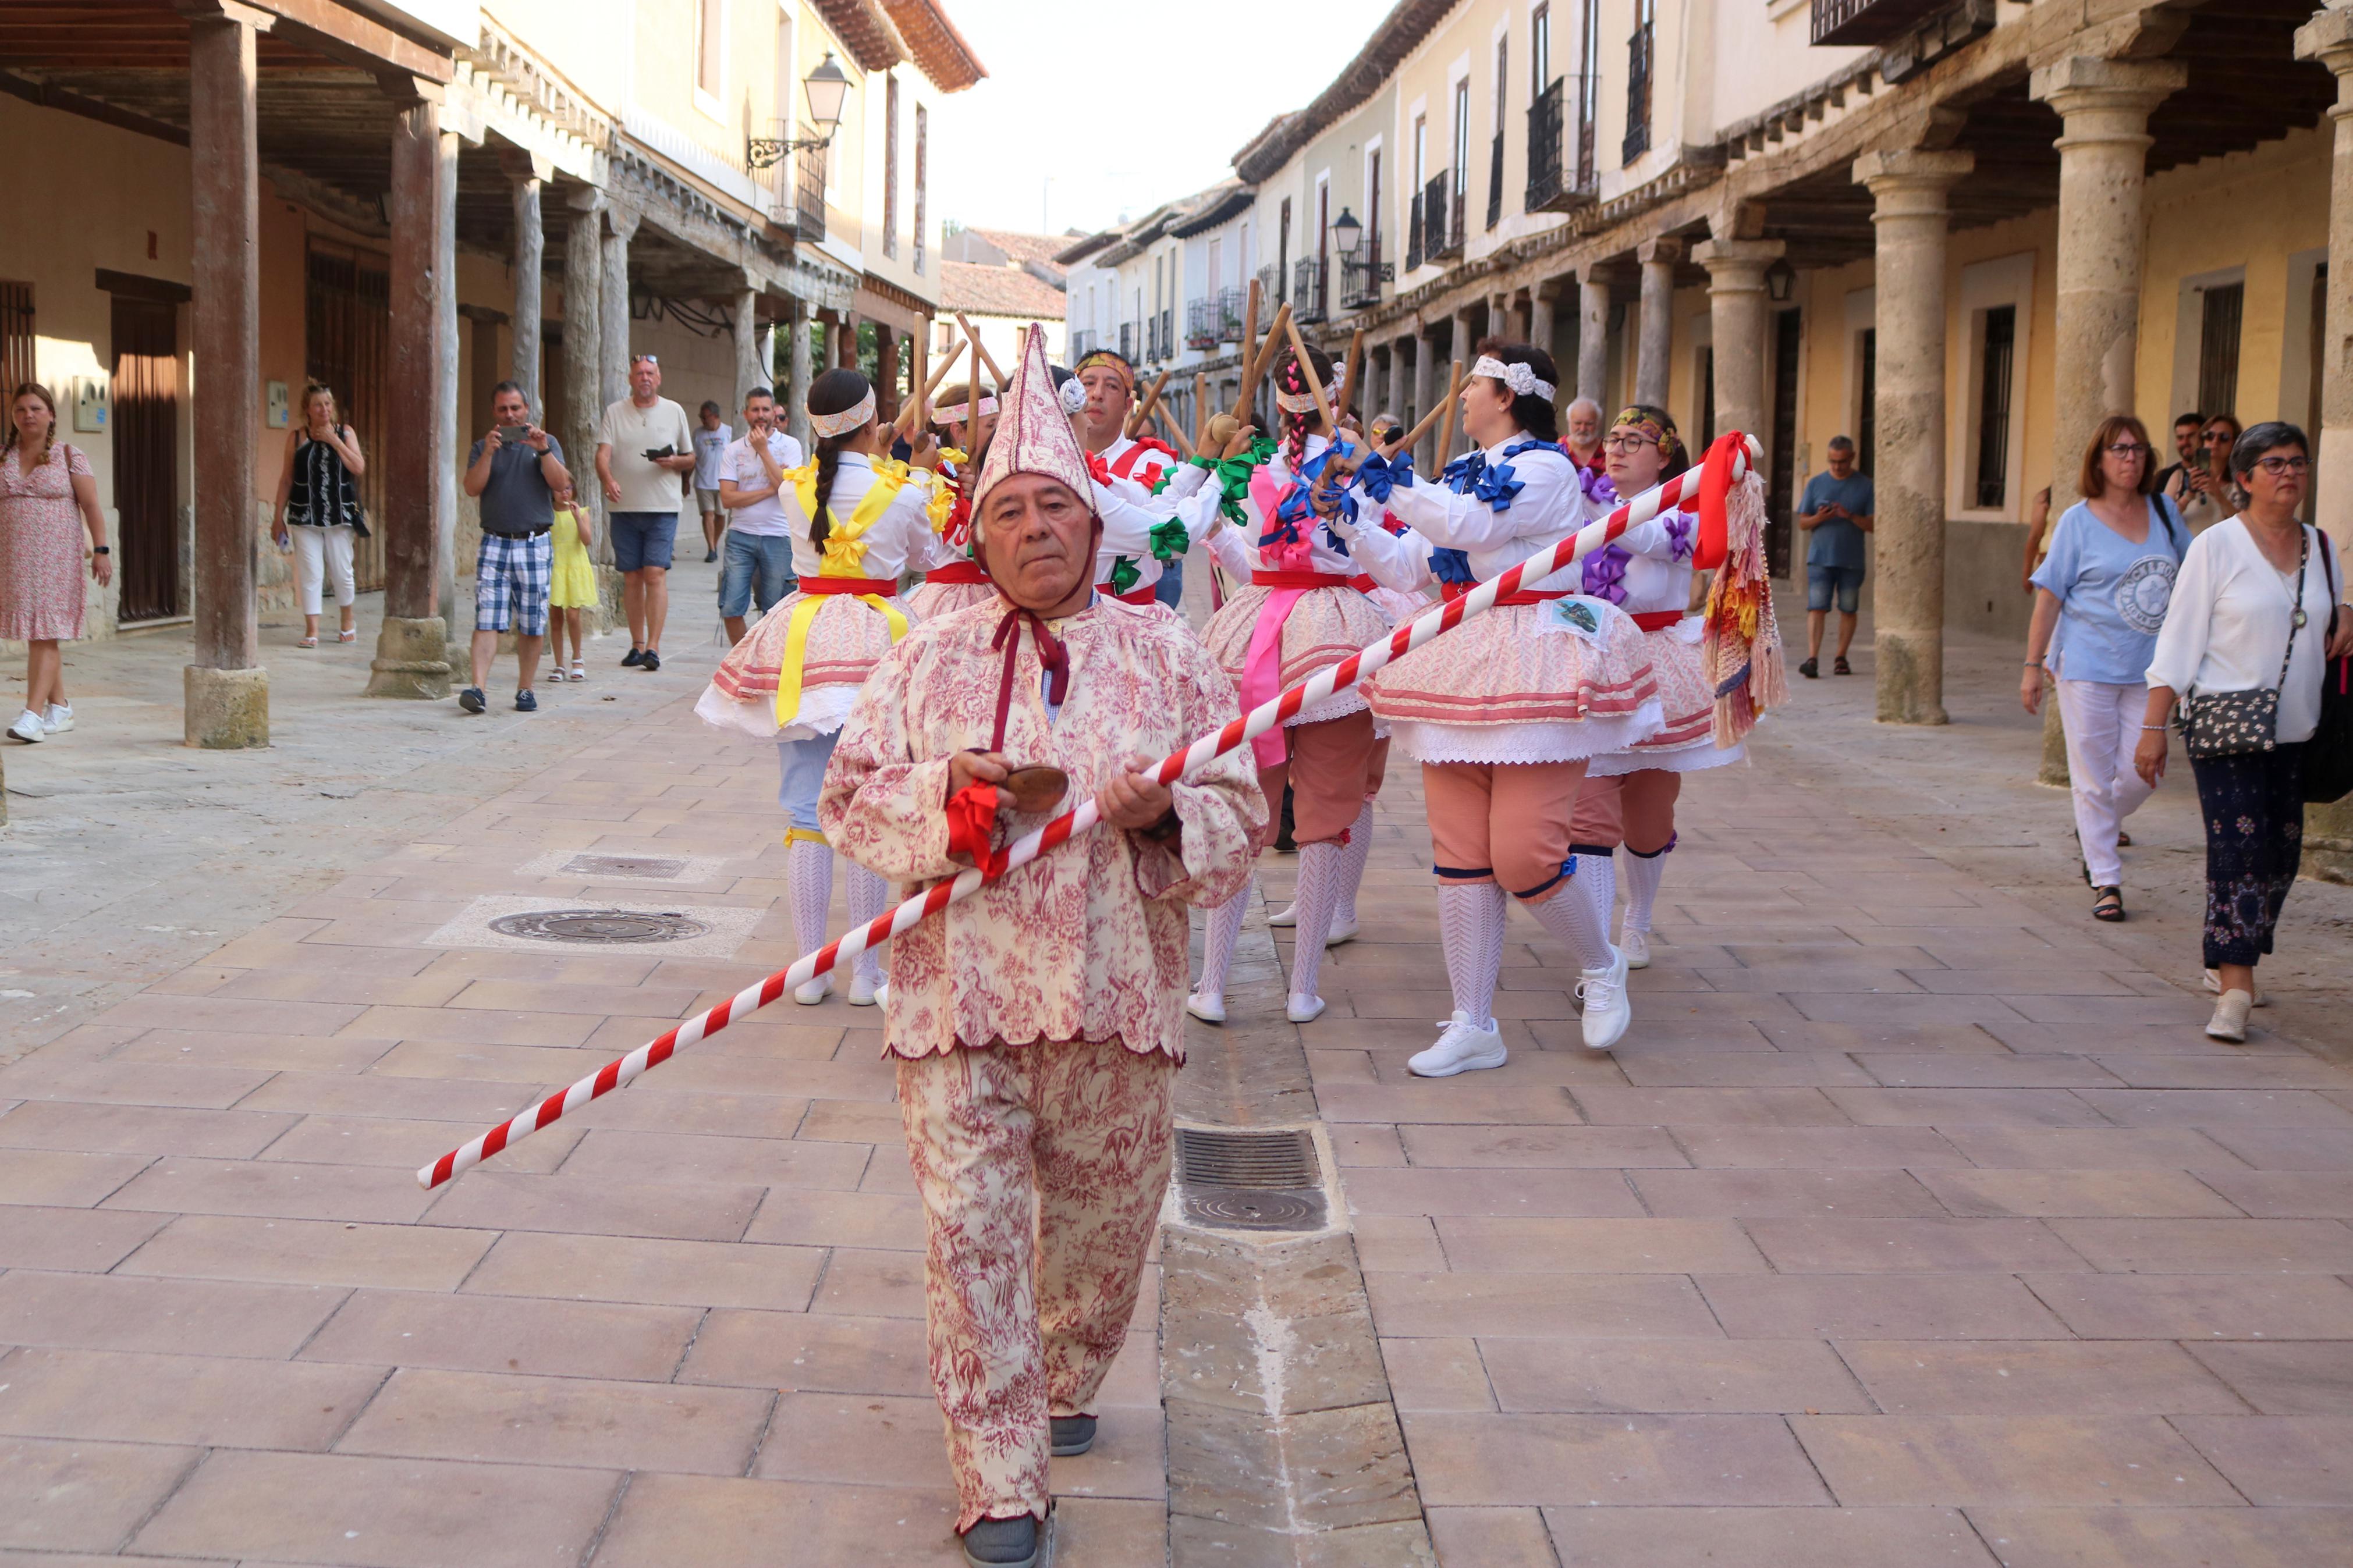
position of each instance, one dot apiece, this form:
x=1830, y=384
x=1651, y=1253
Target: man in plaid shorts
x=515, y=469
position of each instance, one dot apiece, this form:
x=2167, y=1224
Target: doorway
x=147, y=457
x=1780, y=526
x=347, y=323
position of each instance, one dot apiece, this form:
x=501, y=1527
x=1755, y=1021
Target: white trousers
x=2103, y=727
x=321, y=552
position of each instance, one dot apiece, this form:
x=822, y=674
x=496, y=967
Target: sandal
x=306, y=642
x=2124, y=840
x=1839, y=665
x=579, y=672
x=352, y=636
x=2108, y=904
x=1810, y=669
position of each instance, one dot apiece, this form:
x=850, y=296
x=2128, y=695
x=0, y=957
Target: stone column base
x=2053, y=769
x=2328, y=839
x=412, y=659
x=227, y=709
x=1911, y=675
x=612, y=615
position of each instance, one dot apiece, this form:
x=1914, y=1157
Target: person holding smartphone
x=515, y=469
x=1836, y=513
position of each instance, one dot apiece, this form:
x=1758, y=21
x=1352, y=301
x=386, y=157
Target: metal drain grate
x=1217, y=1156
x=624, y=865
x=600, y=926
x=1235, y=1180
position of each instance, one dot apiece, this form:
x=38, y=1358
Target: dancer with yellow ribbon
x=858, y=520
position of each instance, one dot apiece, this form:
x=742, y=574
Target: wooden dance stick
x=1143, y=410
x=1250, y=327
x=1678, y=493
x=1174, y=428
x=1315, y=382
x=994, y=374
x=1446, y=429
x=1344, y=398
x=1406, y=442
x=917, y=409
x=1201, y=412
x=1261, y=361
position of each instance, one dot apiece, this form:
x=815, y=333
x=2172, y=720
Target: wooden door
x=1781, y=452
x=147, y=457
x=347, y=320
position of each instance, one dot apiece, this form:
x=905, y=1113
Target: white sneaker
x=1285, y=917
x=1464, y=1047
x=861, y=995
x=1304, y=1009
x=2214, y=988
x=1342, y=930
x=58, y=719
x=1607, y=1011
x=1635, y=945
x=1207, y=1008
x=882, y=994
x=815, y=992
x=2229, y=1019
x=28, y=727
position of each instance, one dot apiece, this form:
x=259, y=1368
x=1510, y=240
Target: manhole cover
x=624, y=865
x=600, y=926
x=1253, y=1208
x=1221, y=1156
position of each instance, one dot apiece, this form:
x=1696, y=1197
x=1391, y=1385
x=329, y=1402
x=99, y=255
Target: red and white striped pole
x=1679, y=493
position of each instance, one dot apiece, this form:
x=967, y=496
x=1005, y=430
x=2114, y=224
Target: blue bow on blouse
x=1295, y=511
x=1452, y=566
x=1379, y=476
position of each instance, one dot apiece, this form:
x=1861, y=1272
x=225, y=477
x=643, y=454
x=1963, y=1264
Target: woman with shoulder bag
x=318, y=495
x=48, y=499
x=2242, y=653
x=2100, y=595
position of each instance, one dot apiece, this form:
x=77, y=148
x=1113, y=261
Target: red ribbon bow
x=972, y=827
x=1099, y=468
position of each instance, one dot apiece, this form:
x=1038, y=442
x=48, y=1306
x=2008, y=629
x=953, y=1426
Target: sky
x=1099, y=109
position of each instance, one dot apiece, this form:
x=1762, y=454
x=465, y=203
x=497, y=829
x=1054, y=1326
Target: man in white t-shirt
x=643, y=445
x=712, y=439
x=759, y=565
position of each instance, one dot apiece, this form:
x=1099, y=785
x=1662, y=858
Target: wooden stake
x=1315, y=382
x=1349, y=380
x=917, y=407
x=1407, y=441
x=990, y=359
x=1201, y=413
x=1250, y=327
x=1262, y=360
x=1446, y=430
x=1174, y=428
x=1143, y=410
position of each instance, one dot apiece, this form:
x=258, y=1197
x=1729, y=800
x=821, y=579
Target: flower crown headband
x=1523, y=380
x=828, y=425
x=1664, y=434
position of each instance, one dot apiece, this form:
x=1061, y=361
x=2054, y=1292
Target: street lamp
x=1780, y=280
x=828, y=88
x=1348, y=233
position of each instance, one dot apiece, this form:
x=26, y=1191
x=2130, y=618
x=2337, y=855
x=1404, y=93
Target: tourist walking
x=2201, y=489
x=2100, y=596
x=318, y=510
x=1036, y=1027
x=1838, y=509
x=2189, y=447
x=643, y=446
x=48, y=497
x=2241, y=651
x=515, y=468
x=759, y=542
x=713, y=436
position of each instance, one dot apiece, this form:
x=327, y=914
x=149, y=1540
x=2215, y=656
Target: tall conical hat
x=1033, y=433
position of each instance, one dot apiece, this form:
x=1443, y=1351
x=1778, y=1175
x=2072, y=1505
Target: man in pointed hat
x=1037, y=1025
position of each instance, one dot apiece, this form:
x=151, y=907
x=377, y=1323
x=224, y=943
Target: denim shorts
x=642, y=539
x=1821, y=581
x=755, y=568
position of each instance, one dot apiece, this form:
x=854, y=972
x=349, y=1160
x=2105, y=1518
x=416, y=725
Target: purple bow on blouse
x=1605, y=574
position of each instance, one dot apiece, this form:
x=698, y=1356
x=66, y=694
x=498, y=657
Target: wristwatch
x=101, y=549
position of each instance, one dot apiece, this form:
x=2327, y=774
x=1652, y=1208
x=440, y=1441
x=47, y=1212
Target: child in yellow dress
x=571, y=586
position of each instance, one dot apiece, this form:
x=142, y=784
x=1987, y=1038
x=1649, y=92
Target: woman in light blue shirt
x=2103, y=590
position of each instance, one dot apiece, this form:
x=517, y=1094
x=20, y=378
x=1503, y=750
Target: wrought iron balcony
x=1441, y=220
x=1271, y=283
x=1362, y=275
x=1496, y=180
x=1869, y=21
x=1413, y=235
x=808, y=195
x=1561, y=146
x=1310, y=299
x=1638, y=95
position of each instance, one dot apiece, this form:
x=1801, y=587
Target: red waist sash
x=1263, y=579
x=1658, y=620
x=883, y=587
x=956, y=572
x=1453, y=591
x=1144, y=595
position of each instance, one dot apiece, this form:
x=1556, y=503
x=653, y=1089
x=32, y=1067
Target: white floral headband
x=1074, y=395
x=828, y=425
x=953, y=413
x=1521, y=379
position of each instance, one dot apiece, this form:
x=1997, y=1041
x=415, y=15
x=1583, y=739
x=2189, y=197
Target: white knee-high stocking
x=1471, y=931
x=1223, y=929
x=1643, y=875
x=1596, y=879
x=1569, y=918
x=1353, y=855
x=808, y=889
x=867, y=895
x=1322, y=867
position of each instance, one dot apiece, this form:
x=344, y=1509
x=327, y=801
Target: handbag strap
x=2295, y=607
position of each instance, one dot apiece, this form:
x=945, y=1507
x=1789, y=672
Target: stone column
x=1400, y=387
x=749, y=373
x=584, y=385
x=412, y=657
x=764, y=357
x=1736, y=300
x=796, y=420
x=1542, y=319
x=1908, y=190
x=530, y=267
x=225, y=691
x=1428, y=385
x=1593, y=335
x=1655, y=359
x=1466, y=349
x=2328, y=37
x=613, y=306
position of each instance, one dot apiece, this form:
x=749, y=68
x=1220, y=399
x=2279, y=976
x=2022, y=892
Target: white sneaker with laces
x=2229, y=1019
x=864, y=993
x=1636, y=946
x=1463, y=1047
x=1607, y=1012
x=1285, y=917
x=1304, y=1009
x=28, y=727
x=1209, y=1009
x=58, y=719
x=815, y=992
x=2214, y=988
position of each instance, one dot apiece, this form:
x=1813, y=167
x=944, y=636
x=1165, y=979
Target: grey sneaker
x=1072, y=1434
x=1002, y=1543
x=2229, y=1019
x=472, y=700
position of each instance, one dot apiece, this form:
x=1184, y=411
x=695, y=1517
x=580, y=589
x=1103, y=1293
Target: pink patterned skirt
x=1687, y=741
x=846, y=638
x=1502, y=668
x=1324, y=627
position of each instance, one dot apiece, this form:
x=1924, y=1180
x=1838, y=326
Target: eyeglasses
x=2219, y=438
x=654, y=360
x=1626, y=443
x=2125, y=448
x=2275, y=467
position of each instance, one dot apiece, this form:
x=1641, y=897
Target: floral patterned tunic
x=41, y=544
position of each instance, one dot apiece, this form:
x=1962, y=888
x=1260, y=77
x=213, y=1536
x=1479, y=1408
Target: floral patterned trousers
x=1042, y=1170
x=2253, y=806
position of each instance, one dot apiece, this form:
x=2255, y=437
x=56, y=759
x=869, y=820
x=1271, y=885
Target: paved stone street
x=1914, y=1223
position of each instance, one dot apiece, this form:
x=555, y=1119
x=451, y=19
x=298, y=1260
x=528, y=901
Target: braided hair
x=1535, y=415
x=1290, y=381
x=31, y=389
x=836, y=392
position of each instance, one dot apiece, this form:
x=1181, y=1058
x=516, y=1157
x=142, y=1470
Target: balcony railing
x=1231, y=303
x=1214, y=321
x=1868, y=21
x=1413, y=235
x=1496, y=180
x=1560, y=147
x=1638, y=95
x=808, y=195
x=1441, y=220
x=1269, y=284
x=1168, y=332
x=1310, y=299
x=1127, y=341
x=1083, y=343
x=1362, y=275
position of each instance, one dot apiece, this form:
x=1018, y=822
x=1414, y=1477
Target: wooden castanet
x=1036, y=789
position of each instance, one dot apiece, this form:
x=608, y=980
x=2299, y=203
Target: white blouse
x=2228, y=623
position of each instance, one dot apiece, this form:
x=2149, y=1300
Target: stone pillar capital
x=1667, y=248
x=2328, y=39
x=522, y=167
x=1737, y=265
x=2106, y=101
x=1912, y=169
x=621, y=222
x=583, y=198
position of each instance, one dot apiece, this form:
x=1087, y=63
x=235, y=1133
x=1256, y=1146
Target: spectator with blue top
x=2100, y=597
x=1837, y=510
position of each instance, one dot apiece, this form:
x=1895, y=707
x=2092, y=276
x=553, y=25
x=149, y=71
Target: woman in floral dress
x=43, y=483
